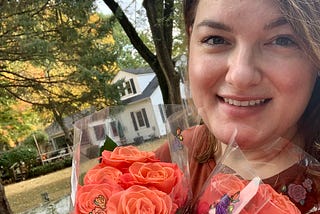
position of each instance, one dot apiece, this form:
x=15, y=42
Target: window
x=99, y=132
x=60, y=142
x=130, y=87
x=140, y=119
x=114, y=128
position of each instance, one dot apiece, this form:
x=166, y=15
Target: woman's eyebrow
x=215, y=25
x=221, y=26
x=276, y=23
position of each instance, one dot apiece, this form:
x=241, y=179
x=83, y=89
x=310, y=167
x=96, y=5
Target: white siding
x=157, y=125
x=128, y=127
x=144, y=79
x=123, y=75
x=156, y=100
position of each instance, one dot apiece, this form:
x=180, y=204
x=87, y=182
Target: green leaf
x=108, y=145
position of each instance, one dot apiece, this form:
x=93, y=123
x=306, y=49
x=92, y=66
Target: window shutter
x=145, y=117
x=161, y=113
x=134, y=121
x=133, y=86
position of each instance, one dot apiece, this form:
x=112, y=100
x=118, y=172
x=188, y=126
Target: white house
x=143, y=116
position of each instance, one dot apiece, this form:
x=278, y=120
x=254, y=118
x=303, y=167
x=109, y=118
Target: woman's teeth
x=244, y=103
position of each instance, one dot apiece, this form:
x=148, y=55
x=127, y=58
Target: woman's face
x=247, y=71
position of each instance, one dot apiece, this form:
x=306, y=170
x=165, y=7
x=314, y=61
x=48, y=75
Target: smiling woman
x=253, y=67
x=232, y=63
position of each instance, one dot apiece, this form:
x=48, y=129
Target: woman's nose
x=243, y=69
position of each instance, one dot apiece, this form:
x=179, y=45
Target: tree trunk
x=160, y=19
x=59, y=119
x=160, y=16
x=4, y=206
x=65, y=131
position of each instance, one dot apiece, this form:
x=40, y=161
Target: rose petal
x=122, y=157
x=100, y=175
x=163, y=176
x=277, y=203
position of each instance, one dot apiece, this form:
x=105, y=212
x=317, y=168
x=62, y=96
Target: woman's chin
x=244, y=137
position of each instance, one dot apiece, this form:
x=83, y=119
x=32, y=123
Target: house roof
x=138, y=70
x=54, y=128
x=151, y=87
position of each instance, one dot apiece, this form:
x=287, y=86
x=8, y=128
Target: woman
x=254, y=67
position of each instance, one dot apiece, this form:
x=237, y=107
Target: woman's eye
x=215, y=40
x=284, y=41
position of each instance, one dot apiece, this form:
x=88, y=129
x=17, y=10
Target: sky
x=131, y=8
x=102, y=7
x=125, y=4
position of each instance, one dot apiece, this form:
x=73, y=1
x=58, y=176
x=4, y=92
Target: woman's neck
x=264, y=162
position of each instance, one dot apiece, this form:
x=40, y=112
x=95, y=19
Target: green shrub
x=30, y=157
x=19, y=154
x=50, y=167
x=41, y=136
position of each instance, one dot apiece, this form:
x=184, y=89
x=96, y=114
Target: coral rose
x=139, y=199
x=92, y=198
x=181, y=192
x=219, y=185
x=278, y=203
x=203, y=207
x=166, y=177
x=122, y=157
x=126, y=180
x=227, y=183
x=99, y=175
x=163, y=176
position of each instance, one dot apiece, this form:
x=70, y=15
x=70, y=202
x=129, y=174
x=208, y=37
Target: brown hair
x=304, y=18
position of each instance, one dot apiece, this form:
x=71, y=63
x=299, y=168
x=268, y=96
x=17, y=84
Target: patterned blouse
x=301, y=184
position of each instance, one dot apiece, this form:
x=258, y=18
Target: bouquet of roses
x=233, y=189
x=123, y=179
x=128, y=180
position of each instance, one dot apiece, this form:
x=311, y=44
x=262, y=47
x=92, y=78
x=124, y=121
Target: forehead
x=233, y=9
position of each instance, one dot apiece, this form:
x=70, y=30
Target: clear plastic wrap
x=286, y=181
x=239, y=184
x=114, y=162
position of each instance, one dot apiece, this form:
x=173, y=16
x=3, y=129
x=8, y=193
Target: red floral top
x=301, y=184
